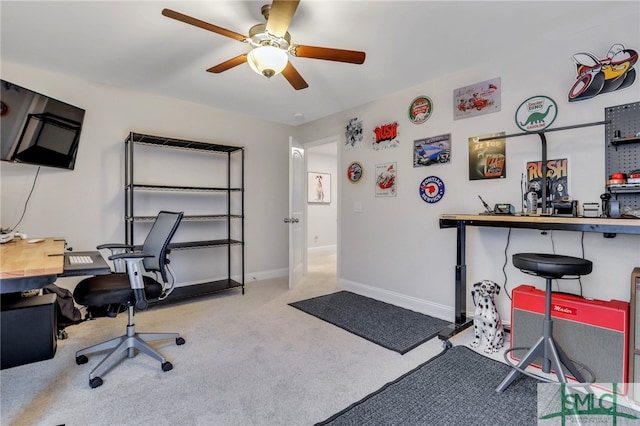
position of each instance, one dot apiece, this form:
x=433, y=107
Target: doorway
x=322, y=217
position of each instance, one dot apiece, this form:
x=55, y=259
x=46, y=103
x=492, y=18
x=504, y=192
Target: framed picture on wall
x=319, y=188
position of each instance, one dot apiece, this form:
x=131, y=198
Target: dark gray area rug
x=456, y=387
x=387, y=325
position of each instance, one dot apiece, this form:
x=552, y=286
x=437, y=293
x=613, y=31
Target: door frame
x=338, y=180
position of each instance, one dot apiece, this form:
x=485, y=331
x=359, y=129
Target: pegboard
x=622, y=150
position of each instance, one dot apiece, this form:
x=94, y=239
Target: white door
x=296, y=219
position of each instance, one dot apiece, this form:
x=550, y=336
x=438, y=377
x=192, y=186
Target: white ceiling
x=132, y=46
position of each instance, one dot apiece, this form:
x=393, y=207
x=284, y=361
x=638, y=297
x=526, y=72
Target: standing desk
x=606, y=226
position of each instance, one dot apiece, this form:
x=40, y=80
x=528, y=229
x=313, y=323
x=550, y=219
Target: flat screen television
x=37, y=129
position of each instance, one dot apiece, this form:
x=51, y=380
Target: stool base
x=552, y=356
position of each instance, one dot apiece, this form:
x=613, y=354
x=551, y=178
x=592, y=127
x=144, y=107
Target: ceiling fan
x=271, y=44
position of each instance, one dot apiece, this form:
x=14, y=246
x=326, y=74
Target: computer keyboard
x=75, y=260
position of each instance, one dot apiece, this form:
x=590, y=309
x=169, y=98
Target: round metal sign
x=420, y=110
x=354, y=172
x=536, y=113
x=432, y=189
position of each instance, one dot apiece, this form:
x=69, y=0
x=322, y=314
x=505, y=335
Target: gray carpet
x=456, y=387
x=389, y=326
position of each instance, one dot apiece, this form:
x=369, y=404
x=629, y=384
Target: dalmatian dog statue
x=486, y=319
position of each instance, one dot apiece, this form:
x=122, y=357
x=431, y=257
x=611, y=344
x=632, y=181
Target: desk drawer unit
x=592, y=332
x=28, y=327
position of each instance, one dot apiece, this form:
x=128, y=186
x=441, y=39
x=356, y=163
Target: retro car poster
x=477, y=99
x=433, y=150
x=386, y=181
x=557, y=178
x=386, y=136
x=353, y=134
x=487, y=156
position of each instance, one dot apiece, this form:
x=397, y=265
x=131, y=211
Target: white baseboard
x=408, y=302
x=266, y=275
x=329, y=248
x=248, y=277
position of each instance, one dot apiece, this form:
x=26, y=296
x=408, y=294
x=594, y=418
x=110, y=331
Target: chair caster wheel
x=446, y=344
x=180, y=341
x=82, y=359
x=167, y=366
x=95, y=382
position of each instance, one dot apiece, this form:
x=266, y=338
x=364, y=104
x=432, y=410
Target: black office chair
x=128, y=289
x=550, y=267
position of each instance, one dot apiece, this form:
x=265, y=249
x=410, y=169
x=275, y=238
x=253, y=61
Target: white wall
x=86, y=205
x=394, y=249
x=322, y=225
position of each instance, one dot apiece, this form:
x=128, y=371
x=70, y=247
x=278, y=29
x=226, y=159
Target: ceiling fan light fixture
x=267, y=60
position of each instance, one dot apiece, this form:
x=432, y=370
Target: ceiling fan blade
x=293, y=77
x=201, y=24
x=326, y=53
x=280, y=16
x=240, y=59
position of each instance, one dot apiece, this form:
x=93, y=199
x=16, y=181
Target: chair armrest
x=114, y=246
x=125, y=256
x=115, y=249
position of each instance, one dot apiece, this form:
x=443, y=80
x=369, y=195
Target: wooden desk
x=21, y=259
x=25, y=266
x=30, y=266
x=607, y=226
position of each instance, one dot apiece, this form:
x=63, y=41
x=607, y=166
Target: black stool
x=549, y=266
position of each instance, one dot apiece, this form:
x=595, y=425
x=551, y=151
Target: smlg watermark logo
x=596, y=404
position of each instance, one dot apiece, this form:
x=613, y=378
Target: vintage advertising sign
x=487, y=158
x=431, y=189
x=386, y=180
x=353, y=133
x=420, y=110
x=433, y=150
x=354, y=172
x=477, y=99
x=386, y=136
x=536, y=113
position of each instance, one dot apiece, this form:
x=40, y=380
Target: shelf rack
x=132, y=187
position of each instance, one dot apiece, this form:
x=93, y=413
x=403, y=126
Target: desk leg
x=460, y=303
